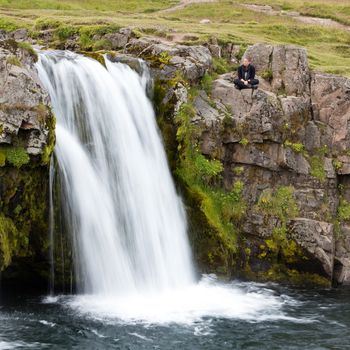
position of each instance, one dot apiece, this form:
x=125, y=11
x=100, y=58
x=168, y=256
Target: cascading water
x=128, y=222
x=128, y=225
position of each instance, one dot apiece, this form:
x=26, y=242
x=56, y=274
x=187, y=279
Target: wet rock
x=316, y=237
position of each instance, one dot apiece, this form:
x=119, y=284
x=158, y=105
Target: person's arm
x=252, y=73
x=239, y=73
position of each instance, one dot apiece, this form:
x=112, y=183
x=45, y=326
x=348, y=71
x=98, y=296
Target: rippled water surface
x=289, y=319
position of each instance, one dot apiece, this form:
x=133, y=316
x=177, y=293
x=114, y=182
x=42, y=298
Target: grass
x=328, y=48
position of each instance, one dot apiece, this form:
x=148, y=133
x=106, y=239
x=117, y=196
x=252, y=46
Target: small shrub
x=337, y=164
x=29, y=48
x=343, y=212
x=317, y=168
x=267, y=75
x=13, y=60
x=102, y=44
x=296, y=147
x=65, y=32
x=207, y=83
x=244, y=141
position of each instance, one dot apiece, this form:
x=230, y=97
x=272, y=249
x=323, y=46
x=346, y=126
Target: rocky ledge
x=26, y=143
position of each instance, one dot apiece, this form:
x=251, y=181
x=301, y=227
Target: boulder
x=331, y=105
x=285, y=65
x=316, y=237
x=24, y=105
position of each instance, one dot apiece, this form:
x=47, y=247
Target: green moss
x=8, y=241
x=8, y=25
x=267, y=75
x=29, y=48
x=207, y=83
x=92, y=30
x=65, y=32
x=102, y=44
x=280, y=203
x=343, y=212
x=296, y=147
x=244, y=141
x=13, y=60
x=23, y=213
x=49, y=147
x=85, y=42
x=317, y=167
x=16, y=156
x=222, y=66
x=98, y=56
x=337, y=164
x=164, y=58
x=2, y=157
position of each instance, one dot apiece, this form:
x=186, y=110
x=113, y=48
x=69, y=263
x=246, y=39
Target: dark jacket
x=250, y=72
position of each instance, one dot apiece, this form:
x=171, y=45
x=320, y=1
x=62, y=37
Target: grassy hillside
x=329, y=47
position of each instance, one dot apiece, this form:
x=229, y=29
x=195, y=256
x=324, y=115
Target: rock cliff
x=26, y=143
x=265, y=174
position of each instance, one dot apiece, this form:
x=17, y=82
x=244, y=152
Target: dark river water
x=305, y=319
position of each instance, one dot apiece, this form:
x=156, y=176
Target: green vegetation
x=343, y=213
x=49, y=148
x=296, y=147
x=207, y=82
x=222, y=66
x=7, y=240
x=337, y=164
x=317, y=167
x=13, y=60
x=16, y=156
x=244, y=141
x=267, y=75
x=280, y=204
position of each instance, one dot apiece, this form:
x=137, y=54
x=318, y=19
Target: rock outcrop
x=265, y=174
x=285, y=146
x=26, y=143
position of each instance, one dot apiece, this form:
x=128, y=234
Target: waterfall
x=127, y=224
x=126, y=220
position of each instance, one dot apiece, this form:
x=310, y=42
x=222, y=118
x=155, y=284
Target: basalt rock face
x=265, y=174
x=26, y=142
x=283, y=188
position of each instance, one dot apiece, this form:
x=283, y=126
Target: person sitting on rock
x=246, y=76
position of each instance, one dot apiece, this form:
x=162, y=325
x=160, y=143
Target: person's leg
x=239, y=84
x=254, y=82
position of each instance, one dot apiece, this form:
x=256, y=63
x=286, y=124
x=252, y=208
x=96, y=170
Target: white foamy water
x=188, y=305
x=128, y=225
